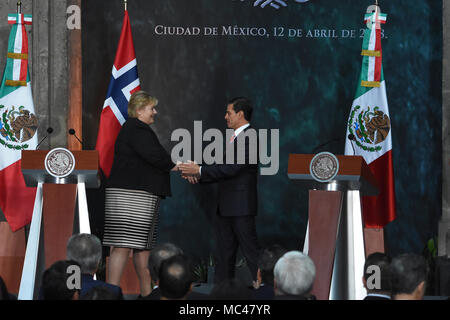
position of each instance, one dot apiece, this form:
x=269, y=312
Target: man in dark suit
x=86, y=250
x=409, y=274
x=158, y=255
x=377, y=265
x=237, y=204
x=264, y=289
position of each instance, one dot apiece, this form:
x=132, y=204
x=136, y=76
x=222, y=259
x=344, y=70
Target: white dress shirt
x=236, y=133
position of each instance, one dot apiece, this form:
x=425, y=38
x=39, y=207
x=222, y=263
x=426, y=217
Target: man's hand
x=191, y=179
x=189, y=169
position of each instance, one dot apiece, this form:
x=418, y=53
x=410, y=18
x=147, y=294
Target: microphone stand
x=352, y=138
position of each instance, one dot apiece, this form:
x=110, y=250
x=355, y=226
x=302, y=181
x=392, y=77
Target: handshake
x=189, y=170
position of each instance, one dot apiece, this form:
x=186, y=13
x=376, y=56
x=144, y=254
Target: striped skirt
x=131, y=219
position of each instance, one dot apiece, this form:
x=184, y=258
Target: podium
x=60, y=210
x=334, y=238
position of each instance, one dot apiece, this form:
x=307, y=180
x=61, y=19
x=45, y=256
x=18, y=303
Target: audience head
x=231, y=289
x=409, y=273
x=86, y=249
x=294, y=274
x=267, y=262
x=100, y=293
x=160, y=253
x=55, y=282
x=175, y=277
x=4, y=294
x=382, y=261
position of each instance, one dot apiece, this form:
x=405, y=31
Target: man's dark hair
x=231, y=289
x=160, y=253
x=175, y=277
x=267, y=260
x=407, y=272
x=54, y=281
x=244, y=105
x=4, y=294
x=383, y=261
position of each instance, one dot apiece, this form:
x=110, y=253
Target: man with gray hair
x=86, y=250
x=294, y=275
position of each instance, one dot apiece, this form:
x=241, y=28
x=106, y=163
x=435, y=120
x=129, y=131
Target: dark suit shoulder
x=376, y=298
x=88, y=282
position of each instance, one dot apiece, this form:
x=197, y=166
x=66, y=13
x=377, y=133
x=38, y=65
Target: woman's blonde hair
x=139, y=100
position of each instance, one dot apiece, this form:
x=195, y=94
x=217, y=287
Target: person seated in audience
x=86, y=250
x=294, y=275
x=4, y=294
x=101, y=293
x=55, y=282
x=159, y=253
x=231, y=289
x=264, y=283
x=377, y=277
x=409, y=274
x=175, y=278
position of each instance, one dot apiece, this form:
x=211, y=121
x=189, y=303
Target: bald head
x=175, y=277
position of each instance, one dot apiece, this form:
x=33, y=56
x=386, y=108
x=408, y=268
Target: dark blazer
x=156, y=295
x=237, y=182
x=370, y=297
x=140, y=161
x=264, y=292
x=88, y=282
x=292, y=297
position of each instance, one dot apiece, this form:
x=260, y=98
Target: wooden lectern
x=334, y=238
x=60, y=210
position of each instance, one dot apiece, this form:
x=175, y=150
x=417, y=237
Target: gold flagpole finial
x=19, y=7
x=125, y=2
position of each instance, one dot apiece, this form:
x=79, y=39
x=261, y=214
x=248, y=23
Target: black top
x=140, y=161
x=370, y=297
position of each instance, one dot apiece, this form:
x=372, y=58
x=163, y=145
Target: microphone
x=49, y=132
x=72, y=132
x=325, y=143
x=352, y=138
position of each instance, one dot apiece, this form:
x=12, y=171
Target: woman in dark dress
x=139, y=179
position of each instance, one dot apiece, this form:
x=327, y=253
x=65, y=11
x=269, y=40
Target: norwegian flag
x=124, y=82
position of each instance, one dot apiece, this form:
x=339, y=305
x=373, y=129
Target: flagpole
x=19, y=7
x=125, y=2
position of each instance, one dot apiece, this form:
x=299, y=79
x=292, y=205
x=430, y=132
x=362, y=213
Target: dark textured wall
x=303, y=86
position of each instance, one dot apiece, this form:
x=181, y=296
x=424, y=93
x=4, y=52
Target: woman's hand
x=177, y=166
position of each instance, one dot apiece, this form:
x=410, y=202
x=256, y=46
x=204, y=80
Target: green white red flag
x=369, y=122
x=18, y=126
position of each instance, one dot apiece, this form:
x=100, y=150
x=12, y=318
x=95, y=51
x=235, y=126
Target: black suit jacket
x=369, y=297
x=265, y=292
x=237, y=182
x=140, y=161
x=88, y=283
x=156, y=295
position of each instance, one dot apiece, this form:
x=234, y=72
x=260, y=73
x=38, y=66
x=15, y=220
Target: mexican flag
x=370, y=125
x=18, y=127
